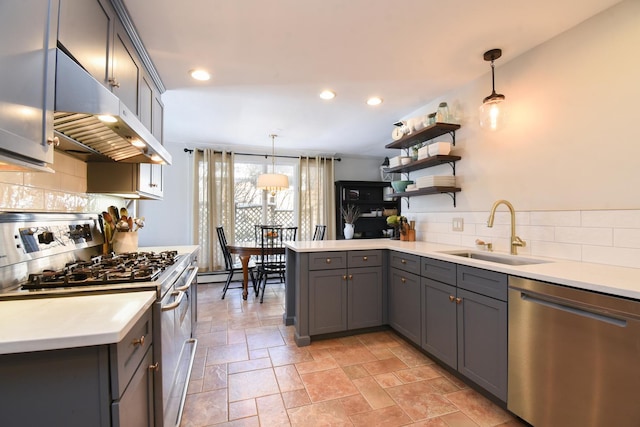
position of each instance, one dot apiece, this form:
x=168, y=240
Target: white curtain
x=317, y=205
x=214, y=205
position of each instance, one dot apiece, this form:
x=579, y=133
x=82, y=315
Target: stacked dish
x=436, y=181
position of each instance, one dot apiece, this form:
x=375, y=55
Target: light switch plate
x=458, y=224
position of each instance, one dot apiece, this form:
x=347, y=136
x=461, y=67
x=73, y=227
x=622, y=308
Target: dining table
x=245, y=250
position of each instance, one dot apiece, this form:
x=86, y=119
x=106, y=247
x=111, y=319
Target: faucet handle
x=517, y=241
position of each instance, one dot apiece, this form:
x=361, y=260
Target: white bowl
x=405, y=160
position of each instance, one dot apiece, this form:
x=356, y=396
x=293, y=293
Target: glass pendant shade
x=493, y=111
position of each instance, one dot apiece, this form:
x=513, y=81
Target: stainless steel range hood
x=80, y=100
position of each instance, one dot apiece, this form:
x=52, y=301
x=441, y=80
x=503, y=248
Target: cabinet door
x=327, y=301
x=151, y=179
x=482, y=341
x=157, y=112
x=364, y=297
x=404, y=304
x=125, y=70
x=439, y=330
x=146, y=102
x=27, y=67
x=136, y=406
x=86, y=33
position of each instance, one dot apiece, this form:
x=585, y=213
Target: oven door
x=177, y=345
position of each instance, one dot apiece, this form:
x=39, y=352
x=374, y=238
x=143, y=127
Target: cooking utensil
x=139, y=223
x=114, y=213
x=124, y=213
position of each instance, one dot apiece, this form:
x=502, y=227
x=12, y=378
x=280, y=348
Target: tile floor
x=249, y=372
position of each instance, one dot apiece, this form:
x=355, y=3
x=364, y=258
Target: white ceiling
x=270, y=60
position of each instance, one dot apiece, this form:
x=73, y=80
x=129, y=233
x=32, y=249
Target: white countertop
x=77, y=321
x=620, y=281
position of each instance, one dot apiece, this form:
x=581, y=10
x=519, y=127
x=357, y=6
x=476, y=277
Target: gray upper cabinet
x=93, y=35
x=86, y=33
x=27, y=67
x=125, y=69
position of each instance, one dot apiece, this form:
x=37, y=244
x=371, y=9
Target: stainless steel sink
x=500, y=259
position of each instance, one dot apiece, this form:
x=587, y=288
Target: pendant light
x=493, y=112
x=273, y=181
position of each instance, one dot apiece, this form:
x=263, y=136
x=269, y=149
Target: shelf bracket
x=453, y=137
x=453, y=167
x=453, y=197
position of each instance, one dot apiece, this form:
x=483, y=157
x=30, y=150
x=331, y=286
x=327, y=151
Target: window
x=253, y=206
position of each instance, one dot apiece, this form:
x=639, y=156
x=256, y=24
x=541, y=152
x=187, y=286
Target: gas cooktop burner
x=105, y=269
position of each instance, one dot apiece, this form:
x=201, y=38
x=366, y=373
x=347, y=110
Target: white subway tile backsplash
x=623, y=257
x=604, y=236
x=626, y=237
x=556, y=218
x=612, y=218
x=567, y=251
x=585, y=235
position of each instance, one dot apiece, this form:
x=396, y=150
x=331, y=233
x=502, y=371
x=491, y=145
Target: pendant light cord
x=273, y=152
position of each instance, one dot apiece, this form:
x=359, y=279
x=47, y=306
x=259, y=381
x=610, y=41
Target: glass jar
x=442, y=115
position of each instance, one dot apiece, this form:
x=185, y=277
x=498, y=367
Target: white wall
x=572, y=141
x=169, y=221
x=569, y=160
x=358, y=169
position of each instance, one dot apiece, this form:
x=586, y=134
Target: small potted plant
x=350, y=214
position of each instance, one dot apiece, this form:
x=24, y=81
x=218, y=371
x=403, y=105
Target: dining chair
x=271, y=264
x=319, y=232
x=233, y=267
x=258, y=228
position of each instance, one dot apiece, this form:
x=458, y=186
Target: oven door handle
x=192, y=275
x=176, y=303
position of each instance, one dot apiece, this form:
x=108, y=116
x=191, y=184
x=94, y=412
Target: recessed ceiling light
x=327, y=94
x=138, y=143
x=200, y=74
x=374, y=100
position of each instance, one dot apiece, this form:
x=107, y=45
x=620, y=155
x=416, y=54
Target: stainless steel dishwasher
x=574, y=356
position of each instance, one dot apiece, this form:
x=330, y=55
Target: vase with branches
x=350, y=214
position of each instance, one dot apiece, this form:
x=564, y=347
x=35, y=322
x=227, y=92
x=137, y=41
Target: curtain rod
x=266, y=156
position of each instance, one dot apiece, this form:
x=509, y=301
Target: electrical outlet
x=458, y=224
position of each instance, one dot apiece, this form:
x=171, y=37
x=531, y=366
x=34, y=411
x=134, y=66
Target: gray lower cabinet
x=106, y=385
x=439, y=321
x=482, y=341
x=404, y=304
x=404, y=295
x=27, y=67
x=345, y=291
x=465, y=322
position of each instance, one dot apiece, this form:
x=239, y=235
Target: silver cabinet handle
x=113, y=82
x=192, y=275
x=174, y=304
x=55, y=141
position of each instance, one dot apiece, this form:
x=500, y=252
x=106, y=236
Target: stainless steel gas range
x=52, y=255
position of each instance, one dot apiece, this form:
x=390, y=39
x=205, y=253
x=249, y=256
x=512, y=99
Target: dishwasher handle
x=579, y=311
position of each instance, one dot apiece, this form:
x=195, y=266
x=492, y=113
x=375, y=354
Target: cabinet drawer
x=441, y=271
x=483, y=282
x=327, y=260
x=127, y=354
x=365, y=258
x=406, y=262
